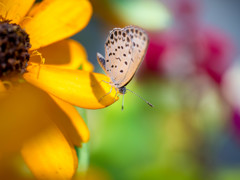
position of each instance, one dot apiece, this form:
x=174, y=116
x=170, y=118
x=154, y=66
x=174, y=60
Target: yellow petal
x=77, y=87
x=22, y=116
x=26, y=110
x=2, y=87
x=54, y=20
x=14, y=167
x=67, y=54
x=15, y=10
x=50, y=156
x=75, y=125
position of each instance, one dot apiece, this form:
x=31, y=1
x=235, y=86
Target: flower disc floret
x=14, y=46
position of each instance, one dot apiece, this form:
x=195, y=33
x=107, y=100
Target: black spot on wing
x=118, y=58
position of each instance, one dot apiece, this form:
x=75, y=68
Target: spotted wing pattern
x=124, y=51
x=118, y=52
x=139, y=40
x=101, y=61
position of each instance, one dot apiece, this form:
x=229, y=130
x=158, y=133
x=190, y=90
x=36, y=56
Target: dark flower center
x=14, y=45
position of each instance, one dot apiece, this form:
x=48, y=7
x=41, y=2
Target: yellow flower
x=37, y=116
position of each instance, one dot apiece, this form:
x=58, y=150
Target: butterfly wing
x=101, y=61
x=118, y=53
x=139, y=39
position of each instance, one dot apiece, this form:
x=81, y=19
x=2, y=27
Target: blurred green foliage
x=170, y=141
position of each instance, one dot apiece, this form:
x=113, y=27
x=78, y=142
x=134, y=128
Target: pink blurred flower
x=236, y=122
x=157, y=48
x=189, y=48
x=215, y=53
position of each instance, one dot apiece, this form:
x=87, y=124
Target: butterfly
x=125, y=49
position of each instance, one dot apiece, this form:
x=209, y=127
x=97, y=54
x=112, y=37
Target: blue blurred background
x=191, y=74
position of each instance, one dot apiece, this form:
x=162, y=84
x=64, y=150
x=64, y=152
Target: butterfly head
x=122, y=90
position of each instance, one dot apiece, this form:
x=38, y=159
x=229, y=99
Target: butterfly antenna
x=141, y=98
x=123, y=102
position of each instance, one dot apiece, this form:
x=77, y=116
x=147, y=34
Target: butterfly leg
x=106, y=94
x=101, y=82
x=115, y=94
x=105, y=82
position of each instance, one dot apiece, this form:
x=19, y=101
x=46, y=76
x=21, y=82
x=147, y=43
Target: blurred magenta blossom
x=189, y=48
x=215, y=54
x=236, y=122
